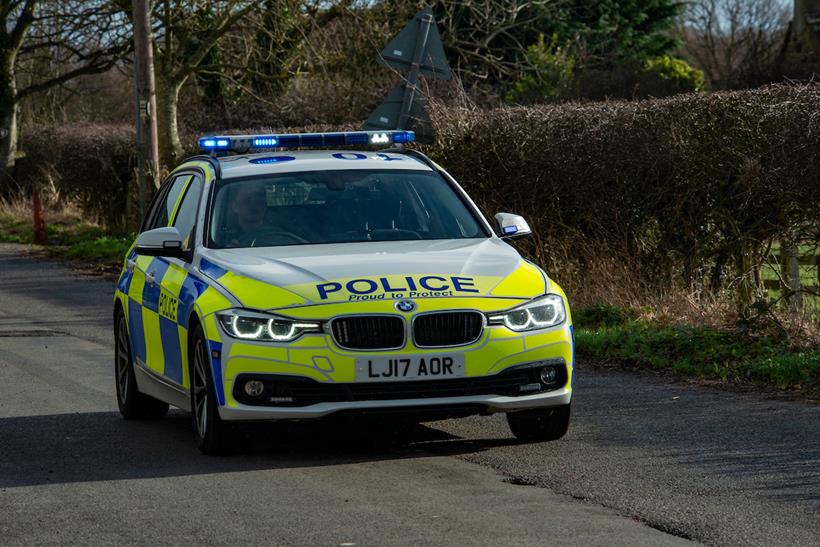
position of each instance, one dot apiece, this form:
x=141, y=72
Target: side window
x=168, y=203
x=186, y=215
x=153, y=207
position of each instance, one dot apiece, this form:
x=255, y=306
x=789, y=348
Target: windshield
x=339, y=206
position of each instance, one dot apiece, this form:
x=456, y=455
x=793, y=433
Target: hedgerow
x=646, y=197
x=684, y=193
x=90, y=164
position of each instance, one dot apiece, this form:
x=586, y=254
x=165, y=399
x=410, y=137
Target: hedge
x=686, y=191
x=91, y=164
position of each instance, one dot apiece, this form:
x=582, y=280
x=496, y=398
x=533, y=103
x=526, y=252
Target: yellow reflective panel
x=561, y=349
x=137, y=285
x=482, y=361
x=155, y=359
x=259, y=351
x=526, y=281
x=143, y=262
x=211, y=301
x=256, y=294
x=309, y=341
x=210, y=328
x=239, y=365
x=387, y=306
x=343, y=365
x=395, y=287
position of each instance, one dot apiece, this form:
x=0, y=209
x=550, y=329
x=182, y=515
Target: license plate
x=411, y=367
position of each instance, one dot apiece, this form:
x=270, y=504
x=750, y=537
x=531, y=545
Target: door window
x=186, y=214
x=166, y=207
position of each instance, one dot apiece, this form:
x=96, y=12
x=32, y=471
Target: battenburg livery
x=272, y=284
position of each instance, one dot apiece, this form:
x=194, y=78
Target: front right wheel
x=210, y=432
x=540, y=424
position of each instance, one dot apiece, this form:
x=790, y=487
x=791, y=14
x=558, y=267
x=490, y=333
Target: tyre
x=540, y=424
x=133, y=404
x=210, y=432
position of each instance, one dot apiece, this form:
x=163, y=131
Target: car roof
x=315, y=160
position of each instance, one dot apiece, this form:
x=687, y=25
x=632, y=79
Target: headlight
x=248, y=325
x=545, y=311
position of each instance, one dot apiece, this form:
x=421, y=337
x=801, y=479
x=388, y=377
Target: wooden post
x=146, y=96
x=40, y=235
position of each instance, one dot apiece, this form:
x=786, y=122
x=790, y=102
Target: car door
x=143, y=317
x=179, y=288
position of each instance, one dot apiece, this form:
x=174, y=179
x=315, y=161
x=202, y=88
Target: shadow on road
x=98, y=446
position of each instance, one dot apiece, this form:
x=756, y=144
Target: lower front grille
x=368, y=332
x=442, y=329
x=298, y=391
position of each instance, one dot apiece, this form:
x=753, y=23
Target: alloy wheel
x=123, y=360
x=200, y=389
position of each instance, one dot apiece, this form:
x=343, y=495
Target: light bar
x=244, y=143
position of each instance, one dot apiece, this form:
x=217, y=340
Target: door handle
x=130, y=265
x=151, y=278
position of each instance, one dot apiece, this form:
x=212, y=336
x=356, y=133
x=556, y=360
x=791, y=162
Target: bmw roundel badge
x=405, y=305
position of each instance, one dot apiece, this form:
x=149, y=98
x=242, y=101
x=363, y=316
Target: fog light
x=254, y=388
x=549, y=375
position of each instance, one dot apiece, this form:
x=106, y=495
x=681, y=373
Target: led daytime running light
x=541, y=313
x=253, y=326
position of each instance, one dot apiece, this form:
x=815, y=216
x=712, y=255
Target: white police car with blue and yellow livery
x=293, y=285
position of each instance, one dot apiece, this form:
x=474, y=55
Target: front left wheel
x=133, y=404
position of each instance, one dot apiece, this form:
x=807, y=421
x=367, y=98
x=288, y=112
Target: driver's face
x=249, y=204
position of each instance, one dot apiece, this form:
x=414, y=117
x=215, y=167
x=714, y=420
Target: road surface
x=646, y=462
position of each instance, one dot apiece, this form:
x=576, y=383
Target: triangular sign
x=388, y=114
x=421, y=32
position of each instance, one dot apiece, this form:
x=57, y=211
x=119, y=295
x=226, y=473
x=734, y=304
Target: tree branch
x=96, y=65
x=18, y=33
x=209, y=42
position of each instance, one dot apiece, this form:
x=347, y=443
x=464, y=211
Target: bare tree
x=70, y=38
x=735, y=42
x=186, y=31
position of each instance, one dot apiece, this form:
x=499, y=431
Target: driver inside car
x=248, y=205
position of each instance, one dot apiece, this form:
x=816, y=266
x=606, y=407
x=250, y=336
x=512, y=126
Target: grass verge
x=74, y=239
x=710, y=353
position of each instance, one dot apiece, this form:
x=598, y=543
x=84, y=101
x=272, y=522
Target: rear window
x=338, y=206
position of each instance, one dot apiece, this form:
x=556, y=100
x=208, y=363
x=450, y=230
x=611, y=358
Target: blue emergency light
x=244, y=143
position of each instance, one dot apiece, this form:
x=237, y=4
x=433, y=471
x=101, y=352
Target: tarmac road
x=646, y=461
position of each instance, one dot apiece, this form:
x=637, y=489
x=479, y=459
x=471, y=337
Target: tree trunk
x=8, y=123
x=170, y=148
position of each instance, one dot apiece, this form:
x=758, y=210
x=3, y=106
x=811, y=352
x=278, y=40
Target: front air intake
x=368, y=332
x=444, y=329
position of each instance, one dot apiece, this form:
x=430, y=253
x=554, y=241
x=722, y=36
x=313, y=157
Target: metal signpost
x=416, y=50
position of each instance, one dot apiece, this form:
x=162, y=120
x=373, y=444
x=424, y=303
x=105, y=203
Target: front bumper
x=315, y=357
x=491, y=403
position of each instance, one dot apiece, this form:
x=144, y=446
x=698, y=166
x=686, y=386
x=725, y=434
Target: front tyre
x=540, y=424
x=210, y=432
x=133, y=404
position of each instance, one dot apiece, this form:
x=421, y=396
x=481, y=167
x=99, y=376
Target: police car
x=271, y=284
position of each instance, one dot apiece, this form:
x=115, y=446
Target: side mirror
x=160, y=242
x=511, y=226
